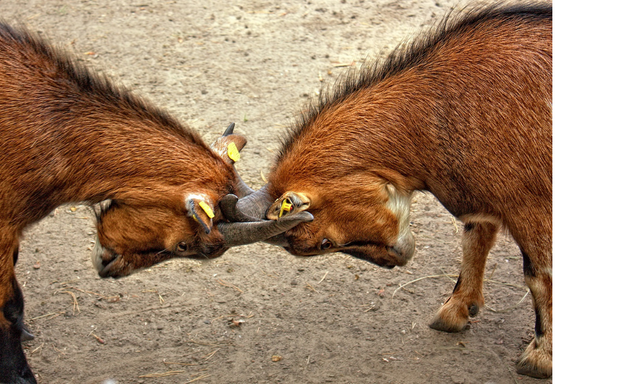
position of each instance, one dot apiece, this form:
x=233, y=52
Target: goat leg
x=13, y=365
x=467, y=296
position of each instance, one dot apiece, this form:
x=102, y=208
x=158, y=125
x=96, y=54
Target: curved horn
x=252, y=207
x=228, y=207
x=229, y=130
x=242, y=189
x=241, y=233
x=257, y=203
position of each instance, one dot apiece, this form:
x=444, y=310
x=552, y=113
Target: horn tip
x=229, y=130
x=306, y=217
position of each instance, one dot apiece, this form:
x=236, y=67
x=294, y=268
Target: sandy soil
x=257, y=314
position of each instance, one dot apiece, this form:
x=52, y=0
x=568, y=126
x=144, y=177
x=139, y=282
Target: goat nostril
x=107, y=256
x=103, y=259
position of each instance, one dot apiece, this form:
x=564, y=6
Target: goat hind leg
x=467, y=296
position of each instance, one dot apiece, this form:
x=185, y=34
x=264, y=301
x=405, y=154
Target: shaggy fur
x=410, y=55
x=68, y=135
x=463, y=113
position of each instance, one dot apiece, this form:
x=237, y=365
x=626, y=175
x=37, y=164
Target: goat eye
x=182, y=247
x=326, y=244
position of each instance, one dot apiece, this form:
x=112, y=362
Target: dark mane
x=406, y=56
x=100, y=87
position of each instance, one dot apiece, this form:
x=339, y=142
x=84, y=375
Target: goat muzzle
x=104, y=260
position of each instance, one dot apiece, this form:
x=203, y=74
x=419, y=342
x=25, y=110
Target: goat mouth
x=106, y=271
x=388, y=263
x=203, y=256
x=359, y=254
x=383, y=256
x=279, y=240
x=105, y=261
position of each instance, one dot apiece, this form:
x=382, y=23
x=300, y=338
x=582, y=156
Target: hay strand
x=161, y=374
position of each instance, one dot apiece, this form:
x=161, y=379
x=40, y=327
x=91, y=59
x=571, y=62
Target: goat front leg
x=467, y=297
x=13, y=365
x=26, y=333
x=536, y=361
x=532, y=230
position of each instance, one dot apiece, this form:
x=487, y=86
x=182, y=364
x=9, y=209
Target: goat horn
x=229, y=210
x=252, y=207
x=229, y=130
x=242, y=189
x=241, y=233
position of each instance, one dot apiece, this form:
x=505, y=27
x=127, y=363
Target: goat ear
x=288, y=204
x=229, y=145
x=200, y=209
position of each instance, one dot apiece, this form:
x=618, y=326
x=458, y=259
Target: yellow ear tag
x=286, y=207
x=233, y=153
x=206, y=208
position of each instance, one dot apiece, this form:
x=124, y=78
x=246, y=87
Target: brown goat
x=465, y=114
x=67, y=135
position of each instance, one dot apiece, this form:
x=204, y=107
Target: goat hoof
x=453, y=316
x=534, y=362
x=440, y=325
x=473, y=310
x=526, y=367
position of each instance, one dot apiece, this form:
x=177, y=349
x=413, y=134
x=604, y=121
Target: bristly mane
x=99, y=86
x=406, y=56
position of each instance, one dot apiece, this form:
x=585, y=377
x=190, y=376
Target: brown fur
x=464, y=114
x=67, y=135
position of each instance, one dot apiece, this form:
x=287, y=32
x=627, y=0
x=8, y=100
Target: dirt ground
x=257, y=314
